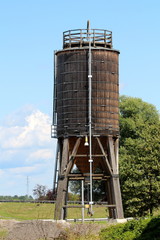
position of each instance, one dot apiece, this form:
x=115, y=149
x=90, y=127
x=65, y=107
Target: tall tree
x=40, y=192
x=139, y=156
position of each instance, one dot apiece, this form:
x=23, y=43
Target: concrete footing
x=109, y=220
x=123, y=220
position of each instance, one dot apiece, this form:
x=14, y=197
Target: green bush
x=152, y=231
x=143, y=229
x=117, y=232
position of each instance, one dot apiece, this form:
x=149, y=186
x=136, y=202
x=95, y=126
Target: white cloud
x=26, y=149
x=35, y=132
x=22, y=170
x=1, y=173
x=43, y=154
x=7, y=154
x=17, y=118
x=14, y=180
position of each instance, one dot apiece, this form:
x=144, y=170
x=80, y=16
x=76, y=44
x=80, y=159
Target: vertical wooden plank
x=65, y=155
x=117, y=197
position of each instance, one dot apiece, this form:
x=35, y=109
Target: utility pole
x=27, y=187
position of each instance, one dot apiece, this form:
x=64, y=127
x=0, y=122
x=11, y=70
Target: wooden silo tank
x=86, y=96
x=72, y=91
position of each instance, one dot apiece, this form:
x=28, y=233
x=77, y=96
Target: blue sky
x=30, y=32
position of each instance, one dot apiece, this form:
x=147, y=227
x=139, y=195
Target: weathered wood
x=117, y=199
x=112, y=154
x=74, y=206
x=109, y=152
x=115, y=193
x=116, y=147
x=72, y=92
x=75, y=148
x=83, y=178
x=65, y=155
x=110, y=199
x=84, y=155
x=62, y=183
x=72, y=115
x=72, y=156
x=79, y=176
x=87, y=175
x=104, y=154
x=66, y=166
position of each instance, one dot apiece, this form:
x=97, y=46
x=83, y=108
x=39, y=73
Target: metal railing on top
x=82, y=37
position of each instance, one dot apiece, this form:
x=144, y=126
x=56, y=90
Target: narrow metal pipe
x=56, y=170
x=82, y=193
x=55, y=90
x=90, y=114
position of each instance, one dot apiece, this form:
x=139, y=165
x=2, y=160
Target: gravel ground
x=46, y=230
x=32, y=230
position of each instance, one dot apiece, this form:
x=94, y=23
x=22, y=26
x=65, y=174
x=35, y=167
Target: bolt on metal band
x=90, y=160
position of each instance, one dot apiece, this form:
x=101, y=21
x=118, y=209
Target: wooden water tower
x=86, y=115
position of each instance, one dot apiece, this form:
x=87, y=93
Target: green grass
x=26, y=211
x=98, y=212
x=3, y=233
x=30, y=211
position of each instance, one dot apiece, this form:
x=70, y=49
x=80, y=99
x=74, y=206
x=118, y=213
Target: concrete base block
x=123, y=220
x=56, y=221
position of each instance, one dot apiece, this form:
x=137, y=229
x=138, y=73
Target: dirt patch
x=7, y=224
x=34, y=230
x=46, y=230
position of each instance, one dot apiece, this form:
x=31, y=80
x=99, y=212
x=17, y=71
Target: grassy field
x=89, y=231
x=26, y=211
x=30, y=211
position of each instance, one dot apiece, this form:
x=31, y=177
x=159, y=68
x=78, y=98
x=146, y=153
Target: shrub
x=152, y=230
x=116, y=233
x=143, y=229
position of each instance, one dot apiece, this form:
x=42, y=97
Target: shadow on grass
x=151, y=231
